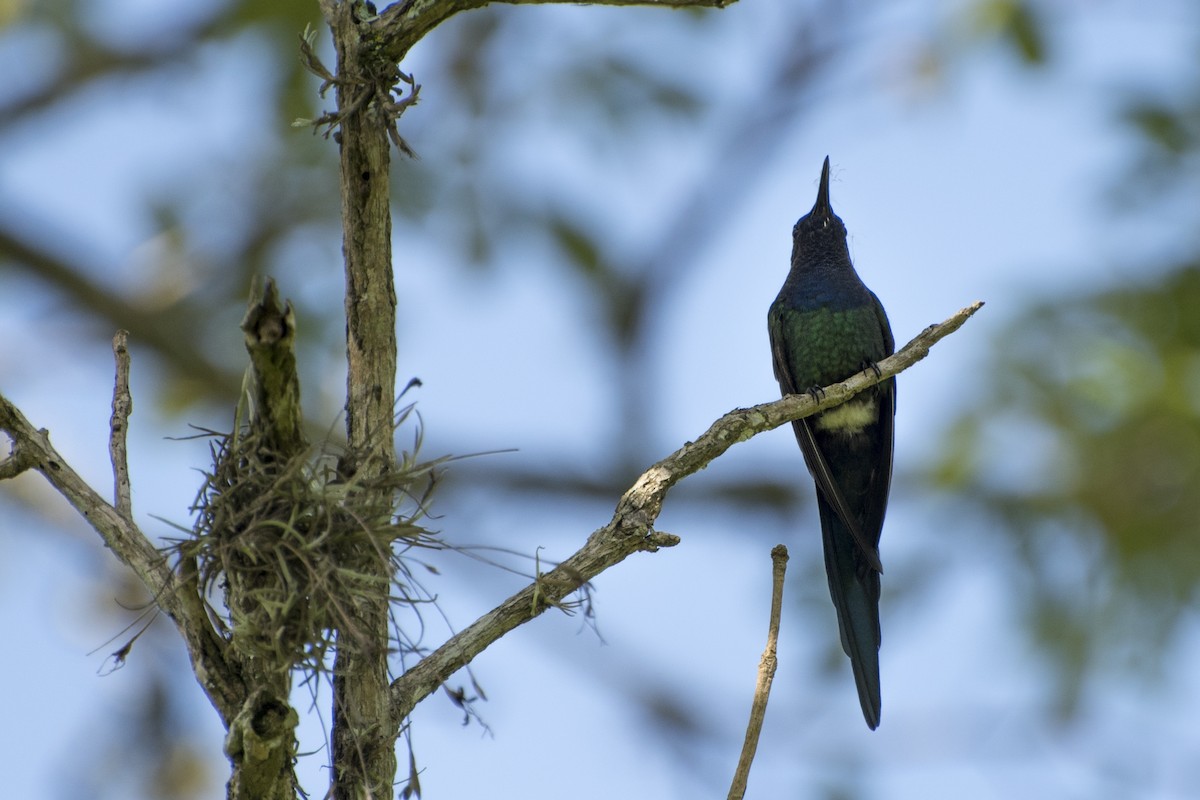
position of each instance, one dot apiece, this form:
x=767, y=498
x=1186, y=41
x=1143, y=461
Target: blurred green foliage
x=1104, y=513
x=1017, y=23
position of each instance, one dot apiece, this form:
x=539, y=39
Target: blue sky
x=986, y=184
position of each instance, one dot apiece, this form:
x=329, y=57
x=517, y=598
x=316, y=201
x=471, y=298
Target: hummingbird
x=826, y=325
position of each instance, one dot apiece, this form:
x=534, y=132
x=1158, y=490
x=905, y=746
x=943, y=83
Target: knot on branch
x=261, y=740
x=656, y=539
x=19, y=459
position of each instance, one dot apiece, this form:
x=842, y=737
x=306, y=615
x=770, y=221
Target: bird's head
x=820, y=230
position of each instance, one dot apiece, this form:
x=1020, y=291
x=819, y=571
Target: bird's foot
x=816, y=393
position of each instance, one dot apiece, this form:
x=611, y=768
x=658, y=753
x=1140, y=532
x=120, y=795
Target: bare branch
x=362, y=741
x=32, y=448
x=631, y=528
x=405, y=23
x=766, y=675
x=122, y=407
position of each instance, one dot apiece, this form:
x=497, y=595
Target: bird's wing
x=818, y=465
x=887, y=414
x=881, y=482
x=827, y=484
x=889, y=341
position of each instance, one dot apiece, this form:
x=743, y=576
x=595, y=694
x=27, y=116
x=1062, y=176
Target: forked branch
x=31, y=449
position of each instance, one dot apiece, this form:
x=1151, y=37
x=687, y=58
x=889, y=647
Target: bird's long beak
x=822, y=207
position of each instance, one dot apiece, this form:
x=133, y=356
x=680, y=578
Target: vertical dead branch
x=122, y=407
x=269, y=330
x=364, y=754
x=261, y=742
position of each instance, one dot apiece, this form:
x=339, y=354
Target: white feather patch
x=850, y=417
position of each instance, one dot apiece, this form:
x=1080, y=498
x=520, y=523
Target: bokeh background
x=585, y=251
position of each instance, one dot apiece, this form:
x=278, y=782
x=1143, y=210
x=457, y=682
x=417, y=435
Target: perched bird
x=825, y=325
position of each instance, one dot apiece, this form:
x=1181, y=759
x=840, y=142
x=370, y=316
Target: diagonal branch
x=31, y=449
x=632, y=526
x=405, y=23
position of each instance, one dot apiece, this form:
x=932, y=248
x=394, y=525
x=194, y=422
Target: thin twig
x=118, y=426
x=766, y=674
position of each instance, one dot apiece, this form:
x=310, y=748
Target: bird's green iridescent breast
x=824, y=346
